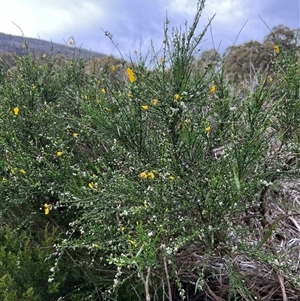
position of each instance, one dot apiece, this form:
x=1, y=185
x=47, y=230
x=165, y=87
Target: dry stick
x=284, y=296
x=147, y=285
x=212, y=294
x=295, y=223
x=168, y=279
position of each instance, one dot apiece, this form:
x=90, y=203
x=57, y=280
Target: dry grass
x=269, y=278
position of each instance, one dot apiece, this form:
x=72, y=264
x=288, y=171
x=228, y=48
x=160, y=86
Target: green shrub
x=136, y=174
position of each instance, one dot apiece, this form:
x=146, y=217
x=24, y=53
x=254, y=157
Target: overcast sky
x=135, y=23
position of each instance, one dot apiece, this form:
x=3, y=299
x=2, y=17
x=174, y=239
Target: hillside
x=14, y=44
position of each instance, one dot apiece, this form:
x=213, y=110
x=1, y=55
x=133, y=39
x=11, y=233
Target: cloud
x=47, y=18
x=134, y=24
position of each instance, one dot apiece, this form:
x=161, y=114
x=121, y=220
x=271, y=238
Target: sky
x=137, y=24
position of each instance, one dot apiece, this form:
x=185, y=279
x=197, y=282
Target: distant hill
x=15, y=45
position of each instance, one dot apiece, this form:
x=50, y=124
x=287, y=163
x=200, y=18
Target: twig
x=284, y=296
x=295, y=223
x=168, y=279
x=19, y=28
x=147, y=284
x=212, y=294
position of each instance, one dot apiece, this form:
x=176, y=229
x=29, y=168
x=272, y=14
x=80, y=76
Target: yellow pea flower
x=133, y=243
x=212, y=89
x=130, y=74
x=145, y=107
x=22, y=171
x=151, y=175
x=103, y=91
x=208, y=128
x=277, y=49
x=171, y=178
x=75, y=135
x=16, y=111
x=154, y=102
x=91, y=185
x=46, y=208
x=113, y=68
x=59, y=154
x=177, y=97
x=143, y=175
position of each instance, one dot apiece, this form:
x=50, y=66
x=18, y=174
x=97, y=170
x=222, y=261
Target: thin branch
x=212, y=294
x=168, y=279
x=284, y=296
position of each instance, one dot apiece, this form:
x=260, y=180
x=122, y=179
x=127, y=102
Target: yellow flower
x=145, y=107
x=177, y=96
x=161, y=60
x=150, y=175
x=75, y=135
x=22, y=171
x=107, y=109
x=154, y=102
x=103, y=91
x=46, y=208
x=208, y=128
x=16, y=111
x=133, y=243
x=85, y=97
x=96, y=246
x=113, y=68
x=123, y=229
x=270, y=79
x=129, y=95
x=91, y=185
x=277, y=49
x=59, y=154
x=130, y=74
x=143, y=175
x=171, y=178
x=212, y=89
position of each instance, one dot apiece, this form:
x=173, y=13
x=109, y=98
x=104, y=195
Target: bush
x=157, y=183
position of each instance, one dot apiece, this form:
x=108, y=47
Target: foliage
x=136, y=169
x=27, y=267
x=244, y=62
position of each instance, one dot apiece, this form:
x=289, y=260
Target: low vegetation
x=167, y=178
